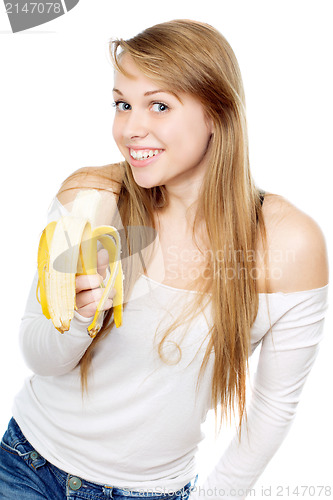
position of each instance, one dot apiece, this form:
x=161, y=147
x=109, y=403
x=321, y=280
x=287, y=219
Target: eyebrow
x=151, y=92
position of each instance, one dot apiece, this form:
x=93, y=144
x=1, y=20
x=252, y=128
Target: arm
x=287, y=353
x=286, y=357
x=45, y=350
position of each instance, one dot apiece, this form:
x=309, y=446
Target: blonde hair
x=193, y=57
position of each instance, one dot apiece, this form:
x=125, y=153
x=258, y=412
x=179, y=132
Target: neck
x=180, y=210
x=183, y=198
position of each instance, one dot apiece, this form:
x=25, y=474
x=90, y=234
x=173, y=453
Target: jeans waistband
x=76, y=485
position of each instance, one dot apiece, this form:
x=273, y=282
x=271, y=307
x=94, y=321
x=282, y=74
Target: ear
x=210, y=125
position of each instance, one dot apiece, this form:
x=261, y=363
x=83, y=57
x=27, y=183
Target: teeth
x=144, y=154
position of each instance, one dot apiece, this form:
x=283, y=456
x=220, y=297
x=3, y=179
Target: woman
x=226, y=272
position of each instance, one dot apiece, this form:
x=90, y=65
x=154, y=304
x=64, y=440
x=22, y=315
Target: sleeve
x=287, y=354
x=45, y=350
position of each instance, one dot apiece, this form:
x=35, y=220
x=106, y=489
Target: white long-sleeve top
x=140, y=425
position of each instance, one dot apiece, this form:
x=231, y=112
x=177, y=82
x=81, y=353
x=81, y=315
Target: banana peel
x=67, y=248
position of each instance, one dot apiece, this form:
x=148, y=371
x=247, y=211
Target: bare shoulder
x=108, y=178
x=296, y=248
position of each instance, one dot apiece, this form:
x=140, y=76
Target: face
x=163, y=136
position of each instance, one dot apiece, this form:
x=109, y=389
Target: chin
x=150, y=186
x=146, y=183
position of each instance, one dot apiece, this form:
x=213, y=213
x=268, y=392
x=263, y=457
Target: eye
x=160, y=107
x=121, y=105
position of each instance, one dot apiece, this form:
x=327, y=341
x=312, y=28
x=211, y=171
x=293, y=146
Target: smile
x=143, y=154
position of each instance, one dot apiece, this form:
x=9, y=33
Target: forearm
x=286, y=358
x=45, y=350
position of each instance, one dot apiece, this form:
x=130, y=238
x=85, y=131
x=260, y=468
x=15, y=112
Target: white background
x=56, y=116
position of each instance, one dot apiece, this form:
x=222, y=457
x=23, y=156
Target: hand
x=89, y=290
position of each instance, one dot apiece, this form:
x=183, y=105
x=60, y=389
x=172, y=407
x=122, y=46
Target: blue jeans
x=26, y=475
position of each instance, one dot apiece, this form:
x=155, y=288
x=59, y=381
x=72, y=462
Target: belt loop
x=195, y=482
x=107, y=491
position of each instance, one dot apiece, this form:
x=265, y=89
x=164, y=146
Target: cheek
x=115, y=132
x=189, y=139
x=176, y=136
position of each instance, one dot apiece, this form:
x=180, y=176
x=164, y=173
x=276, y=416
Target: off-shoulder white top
x=140, y=425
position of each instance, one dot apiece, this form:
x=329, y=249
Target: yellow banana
x=68, y=247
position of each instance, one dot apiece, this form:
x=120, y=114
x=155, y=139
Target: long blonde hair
x=193, y=57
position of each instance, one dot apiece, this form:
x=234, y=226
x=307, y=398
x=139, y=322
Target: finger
x=102, y=262
x=87, y=297
x=112, y=293
x=89, y=309
x=108, y=304
x=87, y=282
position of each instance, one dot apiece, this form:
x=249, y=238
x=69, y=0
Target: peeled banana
x=68, y=247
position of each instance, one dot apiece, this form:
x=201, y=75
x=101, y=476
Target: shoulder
x=108, y=177
x=296, y=249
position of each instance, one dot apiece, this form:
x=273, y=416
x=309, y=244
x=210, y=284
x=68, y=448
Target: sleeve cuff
x=83, y=319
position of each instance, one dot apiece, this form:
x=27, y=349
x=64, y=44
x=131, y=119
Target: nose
x=135, y=125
